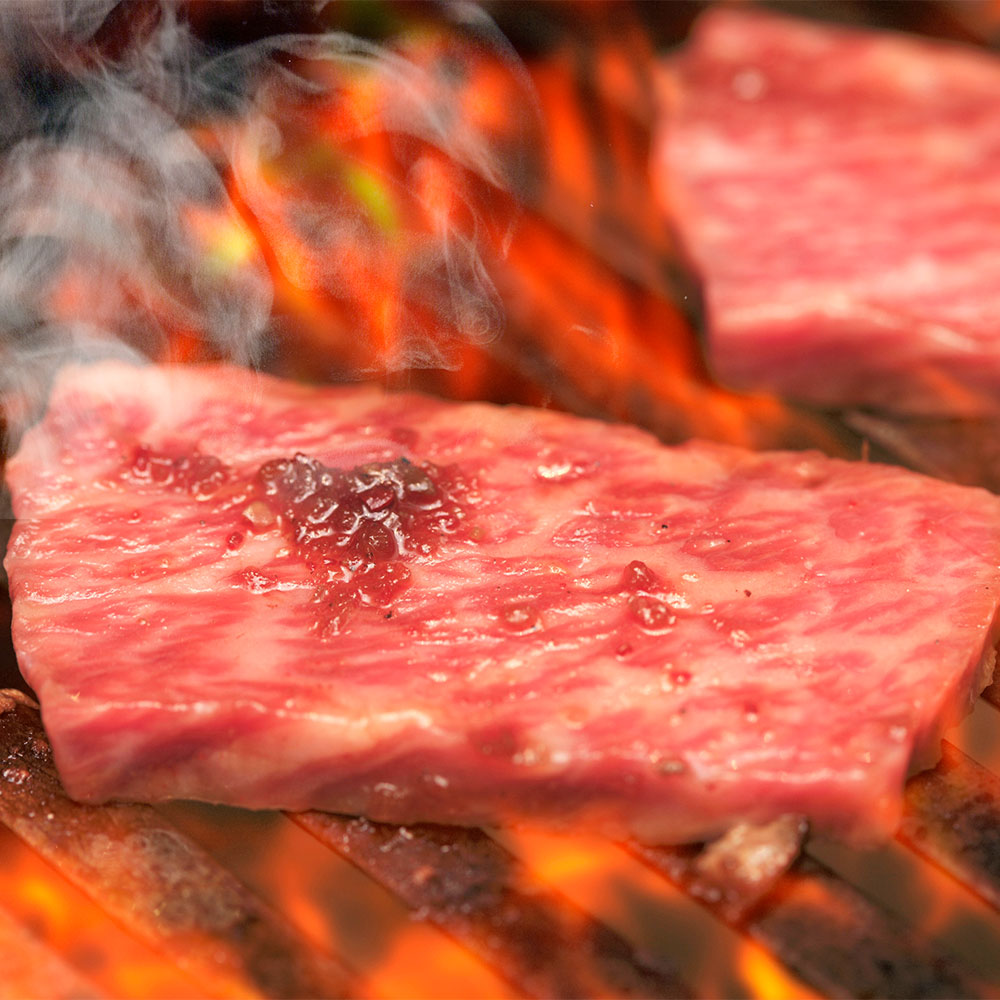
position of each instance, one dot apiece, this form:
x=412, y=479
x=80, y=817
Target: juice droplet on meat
x=520, y=618
x=356, y=527
x=651, y=614
x=184, y=471
x=638, y=576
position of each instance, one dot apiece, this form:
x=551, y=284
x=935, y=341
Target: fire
x=402, y=248
x=227, y=243
x=590, y=864
x=62, y=919
x=765, y=978
x=420, y=963
x=339, y=909
x=602, y=878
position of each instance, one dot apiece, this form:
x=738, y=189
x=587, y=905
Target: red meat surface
x=839, y=193
x=234, y=588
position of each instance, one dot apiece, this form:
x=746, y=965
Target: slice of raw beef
x=234, y=588
x=839, y=193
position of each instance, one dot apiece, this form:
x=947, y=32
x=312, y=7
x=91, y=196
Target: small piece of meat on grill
x=235, y=588
x=839, y=194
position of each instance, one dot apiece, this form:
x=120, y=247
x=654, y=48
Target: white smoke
x=105, y=169
x=95, y=255
x=440, y=290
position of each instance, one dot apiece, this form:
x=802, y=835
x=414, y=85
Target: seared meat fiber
x=839, y=192
x=233, y=588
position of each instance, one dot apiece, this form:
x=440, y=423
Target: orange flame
x=766, y=980
x=61, y=917
x=577, y=334
x=602, y=878
x=421, y=963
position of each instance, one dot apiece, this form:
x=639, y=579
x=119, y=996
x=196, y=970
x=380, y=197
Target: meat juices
x=839, y=194
x=233, y=588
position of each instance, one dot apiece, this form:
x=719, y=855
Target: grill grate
x=167, y=890
x=153, y=879
x=953, y=819
x=474, y=889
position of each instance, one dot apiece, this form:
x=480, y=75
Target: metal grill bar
x=820, y=927
x=468, y=885
x=153, y=879
x=964, y=451
x=835, y=939
x=733, y=874
x=952, y=817
x=992, y=693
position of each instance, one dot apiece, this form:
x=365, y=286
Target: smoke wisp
x=158, y=191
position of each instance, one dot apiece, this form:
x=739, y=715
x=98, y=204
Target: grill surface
x=199, y=901
x=145, y=872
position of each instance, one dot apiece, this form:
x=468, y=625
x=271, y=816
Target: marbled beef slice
x=234, y=588
x=839, y=194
